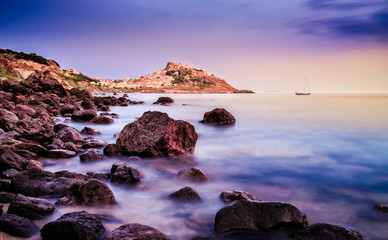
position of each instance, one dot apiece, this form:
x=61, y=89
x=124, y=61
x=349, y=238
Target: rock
x=7, y=119
x=9, y=159
x=102, y=120
x=99, y=176
x=164, y=101
x=9, y=173
x=30, y=207
x=17, y=226
x=111, y=150
x=125, y=95
x=91, y=155
x=104, y=108
x=35, y=129
x=155, y=134
x=88, y=104
x=71, y=147
x=5, y=185
x=90, y=193
x=218, y=116
x=35, y=182
x=94, y=143
x=60, y=153
x=90, y=131
x=44, y=82
x=193, y=174
x=382, y=207
x=30, y=111
x=328, y=232
x=1, y=209
x=6, y=197
x=69, y=134
x=135, y=231
x=185, y=194
x=124, y=174
x=59, y=126
x=263, y=216
x=74, y=226
x=237, y=195
x=69, y=109
x=34, y=164
x=84, y=115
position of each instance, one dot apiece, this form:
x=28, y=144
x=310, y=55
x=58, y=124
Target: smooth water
x=326, y=154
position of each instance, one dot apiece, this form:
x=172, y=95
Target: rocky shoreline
x=28, y=133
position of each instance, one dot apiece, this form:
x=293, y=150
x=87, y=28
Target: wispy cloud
x=344, y=5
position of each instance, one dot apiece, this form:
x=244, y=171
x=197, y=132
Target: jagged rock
x=90, y=193
x=90, y=131
x=9, y=159
x=35, y=129
x=263, y=216
x=73, y=226
x=88, y=104
x=185, y=194
x=17, y=226
x=60, y=153
x=69, y=134
x=6, y=197
x=218, y=116
x=104, y=108
x=99, y=176
x=30, y=111
x=237, y=195
x=84, y=115
x=30, y=207
x=102, y=120
x=69, y=108
x=9, y=173
x=81, y=93
x=7, y=119
x=35, y=182
x=91, y=155
x=155, y=134
x=59, y=126
x=135, y=231
x=44, y=82
x=122, y=173
x=166, y=101
x=34, y=164
x=111, y=150
x=94, y=143
x=193, y=174
x=328, y=232
x=71, y=146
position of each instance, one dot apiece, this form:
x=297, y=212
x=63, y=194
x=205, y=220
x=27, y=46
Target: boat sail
x=306, y=88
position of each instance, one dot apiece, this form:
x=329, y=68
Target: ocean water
x=327, y=154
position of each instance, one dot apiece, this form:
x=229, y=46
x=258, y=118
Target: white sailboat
x=306, y=88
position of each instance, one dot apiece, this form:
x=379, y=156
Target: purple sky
x=342, y=46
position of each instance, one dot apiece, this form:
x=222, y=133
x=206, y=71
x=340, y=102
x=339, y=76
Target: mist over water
x=326, y=154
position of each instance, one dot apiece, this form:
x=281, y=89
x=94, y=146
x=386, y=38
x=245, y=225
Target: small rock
x=1, y=209
x=102, y=120
x=9, y=173
x=94, y=143
x=218, y=116
x=59, y=126
x=112, y=150
x=122, y=173
x=135, y=231
x=30, y=207
x=166, y=101
x=185, y=194
x=99, y=176
x=84, y=115
x=90, y=131
x=192, y=174
x=17, y=226
x=34, y=164
x=71, y=147
x=8, y=119
x=91, y=155
x=60, y=153
x=69, y=134
x=236, y=195
x=9, y=159
x=328, y=232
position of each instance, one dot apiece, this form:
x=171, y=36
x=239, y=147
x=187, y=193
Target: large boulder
x=35, y=182
x=90, y=193
x=74, y=226
x=135, y=231
x=193, y=174
x=264, y=216
x=30, y=207
x=69, y=134
x=155, y=134
x=84, y=115
x=7, y=119
x=186, y=194
x=328, y=232
x=218, y=116
x=9, y=159
x=122, y=173
x=17, y=226
x=45, y=82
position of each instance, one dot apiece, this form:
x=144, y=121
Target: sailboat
x=305, y=86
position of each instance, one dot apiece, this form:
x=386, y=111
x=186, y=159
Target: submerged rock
x=124, y=174
x=30, y=207
x=218, y=116
x=186, y=194
x=166, y=101
x=84, y=115
x=237, y=195
x=60, y=153
x=102, y=120
x=69, y=134
x=90, y=131
x=135, y=231
x=193, y=174
x=328, y=232
x=17, y=226
x=91, y=155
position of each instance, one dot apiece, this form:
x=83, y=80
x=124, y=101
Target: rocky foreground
x=28, y=132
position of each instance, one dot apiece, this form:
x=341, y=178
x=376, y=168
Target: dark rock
x=9, y=173
x=69, y=109
x=35, y=182
x=155, y=134
x=69, y=134
x=102, y=120
x=34, y=164
x=237, y=195
x=104, y=108
x=99, y=176
x=84, y=115
x=44, y=82
x=135, y=231
x=74, y=226
x=135, y=158
x=264, y=216
x=24, y=108
x=71, y=147
x=88, y=104
x=111, y=150
x=5, y=185
x=9, y=159
x=218, y=116
x=382, y=207
x=90, y=193
x=35, y=129
x=193, y=174
x=94, y=143
x=164, y=101
x=1, y=209
x=328, y=232
x=17, y=226
x=7, y=119
x=91, y=155
x=125, y=95
x=124, y=174
x=6, y=197
x=60, y=153
x=80, y=93
x=60, y=126
x=185, y=194
x=30, y=207
x=90, y=131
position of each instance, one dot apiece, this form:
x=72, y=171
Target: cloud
x=344, y=5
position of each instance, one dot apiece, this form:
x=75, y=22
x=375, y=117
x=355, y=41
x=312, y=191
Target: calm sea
x=326, y=153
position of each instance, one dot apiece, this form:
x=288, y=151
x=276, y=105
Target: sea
x=327, y=154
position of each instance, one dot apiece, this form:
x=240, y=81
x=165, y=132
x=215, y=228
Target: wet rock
x=60, y=153
x=90, y=193
x=74, y=226
x=34, y=164
x=193, y=174
x=381, y=207
x=99, y=176
x=155, y=134
x=135, y=159
x=90, y=131
x=186, y=194
x=135, y=231
x=237, y=195
x=30, y=207
x=7, y=119
x=104, y=108
x=91, y=155
x=35, y=129
x=17, y=226
x=125, y=95
x=5, y=185
x=218, y=116
x=328, y=232
x=111, y=150
x=84, y=115
x=166, y=101
x=122, y=173
x=9, y=173
x=6, y=197
x=88, y=104
x=71, y=147
x=263, y=216
x=59, y=126
x=24, y=108
x=44, y=82
x=69, y=109
x=102, y=120
x=69, y=134
x=94, y=143
x=81, y=93
x=9, y=159
x=1, y=209
x=35, y=182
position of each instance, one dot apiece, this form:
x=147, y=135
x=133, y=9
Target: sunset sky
x=263, y=45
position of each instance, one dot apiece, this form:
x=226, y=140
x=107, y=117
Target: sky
x=262, y=45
